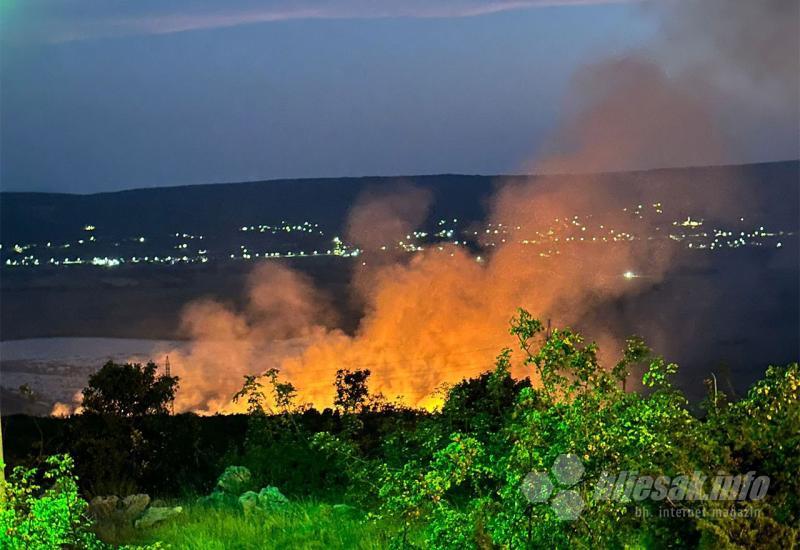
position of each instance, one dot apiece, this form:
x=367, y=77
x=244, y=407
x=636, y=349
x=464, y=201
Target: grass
x=297, y=525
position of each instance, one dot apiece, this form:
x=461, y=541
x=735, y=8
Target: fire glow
x=434, y=319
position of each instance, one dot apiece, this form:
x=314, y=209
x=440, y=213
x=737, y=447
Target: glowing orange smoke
x=442, y=315
x=435, y=319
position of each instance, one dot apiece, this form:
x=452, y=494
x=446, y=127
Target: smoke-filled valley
x=611, y=255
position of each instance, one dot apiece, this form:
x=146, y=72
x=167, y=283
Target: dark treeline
x=183, y=455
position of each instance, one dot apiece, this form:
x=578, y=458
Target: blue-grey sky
x=105, y=95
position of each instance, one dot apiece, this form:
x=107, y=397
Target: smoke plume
x=283, y=311
x=439, y=315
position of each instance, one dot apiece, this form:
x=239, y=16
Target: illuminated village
x=307, y=240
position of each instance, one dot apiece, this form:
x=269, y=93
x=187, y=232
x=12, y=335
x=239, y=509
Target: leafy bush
x=43, y=509
x=461, y=477
x=452, y=478
x=129, y=390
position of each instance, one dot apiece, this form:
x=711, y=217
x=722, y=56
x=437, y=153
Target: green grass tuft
x=298, y=525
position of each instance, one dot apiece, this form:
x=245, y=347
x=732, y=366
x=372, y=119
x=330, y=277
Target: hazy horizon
x=402, y=176
x=163, y=94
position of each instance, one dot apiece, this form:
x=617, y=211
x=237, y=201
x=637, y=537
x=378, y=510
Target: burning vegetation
x=437, y=318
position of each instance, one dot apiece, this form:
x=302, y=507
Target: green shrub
x=43, y=509
x=463, y=490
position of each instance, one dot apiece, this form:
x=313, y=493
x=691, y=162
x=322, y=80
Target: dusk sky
x=100, y=95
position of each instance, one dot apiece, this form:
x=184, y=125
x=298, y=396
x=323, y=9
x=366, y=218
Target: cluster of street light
x=641, y=222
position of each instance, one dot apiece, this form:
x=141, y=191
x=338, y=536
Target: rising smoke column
x=442, y=315
x=284, y=310
x=383, y=215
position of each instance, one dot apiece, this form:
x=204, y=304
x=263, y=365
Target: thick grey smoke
x=716, y=72
x=743, y=58
x=753, y=43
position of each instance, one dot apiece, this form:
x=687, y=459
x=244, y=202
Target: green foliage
x=283, y=394
x=161, y=455
x=360, y=474
x=234, y=480
x=270, y=498
x=296, y=525
x=464, y=490
x=252, y=390
x=279, y=446
x=453, y=478
x=760, y=433
x=42, y=510
x=129, y=390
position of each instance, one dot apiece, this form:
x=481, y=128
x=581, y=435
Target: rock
x=103, y=507
x=113, y=516
x=155, y=515
x=249, y=501
x=133, y=506
x=234, y=480
x=270, y=497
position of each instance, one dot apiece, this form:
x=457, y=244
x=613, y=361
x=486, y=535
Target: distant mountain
x=726, y=306
x=216, y=208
